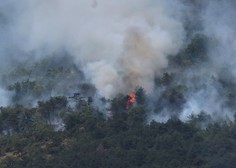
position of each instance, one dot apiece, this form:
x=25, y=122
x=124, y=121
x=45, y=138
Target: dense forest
x=80, y=129
x=30, y=138
x=151, y=84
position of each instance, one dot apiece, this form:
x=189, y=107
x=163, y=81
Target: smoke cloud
x=127, y=43
x=121, y=44
x=211, y=84
x=218, y=26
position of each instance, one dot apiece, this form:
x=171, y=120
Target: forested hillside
x=117, y=84
x=83, y=130
x=124, y=140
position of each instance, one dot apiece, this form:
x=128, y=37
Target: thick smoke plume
x=215, y=87
x=122, y=44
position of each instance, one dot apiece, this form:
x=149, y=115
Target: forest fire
x=130, y=100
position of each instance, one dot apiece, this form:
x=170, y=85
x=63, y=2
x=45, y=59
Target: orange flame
x=131, y=100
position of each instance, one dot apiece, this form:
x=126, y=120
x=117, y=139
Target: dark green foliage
x=87, y=89
x=34, y=81
x=52, y=108
x=194, y=53
x=25, y=88
x=30, y=138
x=165, y=80
x=172, y=99
x=202, y=120
x=118, y=104
x=160, y=145
x=140, y=96
x=16, y=119
x=121, y=141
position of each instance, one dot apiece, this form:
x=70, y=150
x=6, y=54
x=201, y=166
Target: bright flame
x=131, y=100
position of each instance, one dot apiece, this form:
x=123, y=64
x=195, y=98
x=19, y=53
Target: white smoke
x=125, y=43
x=206, y=97
x=4, y=98
x=219, y=25
x=121, y=44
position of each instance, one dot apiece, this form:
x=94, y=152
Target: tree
x=140, y=96
x=52, y=108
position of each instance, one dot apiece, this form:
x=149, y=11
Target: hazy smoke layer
x=121, y=44
x=126, y=43
x=210, y=84
x=211, y=96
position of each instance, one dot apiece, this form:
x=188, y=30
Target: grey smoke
x=219, y=26
x=205, y=91
x=126, y=43
x=121, y=44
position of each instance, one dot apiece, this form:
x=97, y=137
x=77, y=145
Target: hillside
x=128, y=83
